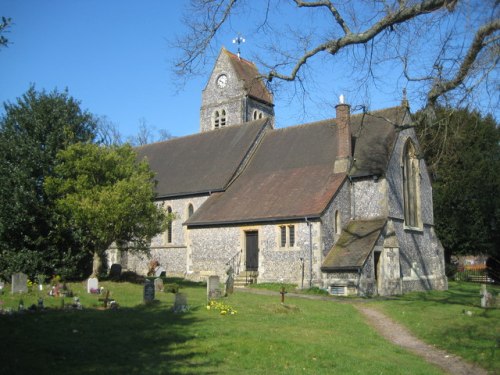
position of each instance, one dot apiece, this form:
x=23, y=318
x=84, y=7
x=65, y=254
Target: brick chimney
x=344, y=148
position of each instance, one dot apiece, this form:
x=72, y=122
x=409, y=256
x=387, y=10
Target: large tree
x=106, y=195
x=32, y=131
x=466, y=179
x=442, y=51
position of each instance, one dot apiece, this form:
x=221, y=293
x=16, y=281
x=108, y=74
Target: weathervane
x=238, y=40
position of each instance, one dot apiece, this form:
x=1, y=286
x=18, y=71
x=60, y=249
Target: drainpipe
x=309, y=224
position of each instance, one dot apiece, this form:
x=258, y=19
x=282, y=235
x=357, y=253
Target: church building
x=344, y=204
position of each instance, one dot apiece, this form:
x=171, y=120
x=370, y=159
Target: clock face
x=222, y=81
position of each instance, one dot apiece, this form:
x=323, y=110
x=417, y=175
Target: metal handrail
x=235, y=262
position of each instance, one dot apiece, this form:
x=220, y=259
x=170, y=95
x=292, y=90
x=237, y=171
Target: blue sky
x=114, y=56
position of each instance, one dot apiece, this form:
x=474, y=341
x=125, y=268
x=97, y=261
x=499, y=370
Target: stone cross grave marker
x=149, y=291
x=158, y=284
x=213, y=287
x=19, y=283
x=180, y=303
x=92, y=284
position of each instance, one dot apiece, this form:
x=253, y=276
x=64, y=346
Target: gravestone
x=149, y=291
x=115, y=271
x=158, y=285
x=19, y=283
x=213, y=287
x=92, y=285
x=230, y=282
x=486, y=297
x=180, y=303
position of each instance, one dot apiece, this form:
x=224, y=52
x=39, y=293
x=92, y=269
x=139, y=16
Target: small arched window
x=338, y=225
x=190, y=210
x=223, y=118
x=411, y=185
x=169, y=225
x=216, y=119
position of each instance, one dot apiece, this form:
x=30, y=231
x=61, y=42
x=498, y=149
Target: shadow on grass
x=467, y=294
x=141, y=340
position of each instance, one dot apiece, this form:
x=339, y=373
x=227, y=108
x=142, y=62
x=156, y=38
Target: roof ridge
x=233, y=127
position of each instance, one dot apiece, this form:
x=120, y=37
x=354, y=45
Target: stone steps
x=245, y=278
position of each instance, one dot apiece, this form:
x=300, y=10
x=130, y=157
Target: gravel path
x=399, y=335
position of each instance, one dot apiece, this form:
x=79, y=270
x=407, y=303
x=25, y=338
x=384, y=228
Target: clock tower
x=234, y=94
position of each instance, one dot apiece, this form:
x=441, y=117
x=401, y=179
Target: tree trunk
x=96, y=264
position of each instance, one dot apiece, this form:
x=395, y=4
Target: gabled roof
x=203, y=162
x=354, y=245
x=375, y=134
x=289, y=177
x=249, y=74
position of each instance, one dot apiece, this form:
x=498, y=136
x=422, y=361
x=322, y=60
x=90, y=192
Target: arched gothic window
x=223, y=118
x=411, y=185
x=190, y=210
x=169, y=226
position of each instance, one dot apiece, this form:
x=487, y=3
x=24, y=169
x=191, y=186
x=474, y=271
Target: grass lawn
x=452, y=320
x=263, y=337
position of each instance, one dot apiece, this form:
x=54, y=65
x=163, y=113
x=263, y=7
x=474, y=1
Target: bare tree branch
x=441, y=87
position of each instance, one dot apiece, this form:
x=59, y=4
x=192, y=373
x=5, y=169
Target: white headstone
x=92, y=284
x=158, y=285
x=19, y=283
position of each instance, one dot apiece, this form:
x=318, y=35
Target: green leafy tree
x=32, y=131
x=106, y=195
x=466, y=179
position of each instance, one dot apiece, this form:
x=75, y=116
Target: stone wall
x=212, y=248
x=342, y=204
x=369, y=198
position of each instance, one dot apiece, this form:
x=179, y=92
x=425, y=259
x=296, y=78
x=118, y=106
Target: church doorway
x=252, y=250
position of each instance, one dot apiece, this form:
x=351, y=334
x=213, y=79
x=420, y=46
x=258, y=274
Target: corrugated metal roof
x=290, y=176
x=202, y=162
x=354, y=245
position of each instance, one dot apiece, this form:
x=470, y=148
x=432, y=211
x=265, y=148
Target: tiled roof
x=375, y=134
x=289, y=177
x=248, y=72
x=354, y=245
x=200, y=163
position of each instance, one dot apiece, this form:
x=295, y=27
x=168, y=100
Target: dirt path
x=399, y=335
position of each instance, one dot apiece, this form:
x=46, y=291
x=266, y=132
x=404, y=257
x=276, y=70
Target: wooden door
x=252, y=250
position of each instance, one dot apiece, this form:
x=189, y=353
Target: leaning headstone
x=158, y=284
x=92, y=285
x=180, y=303
x=115, y=271
x=229, y=282
x=213, y=287
x=149, y=291
x=19, y=283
